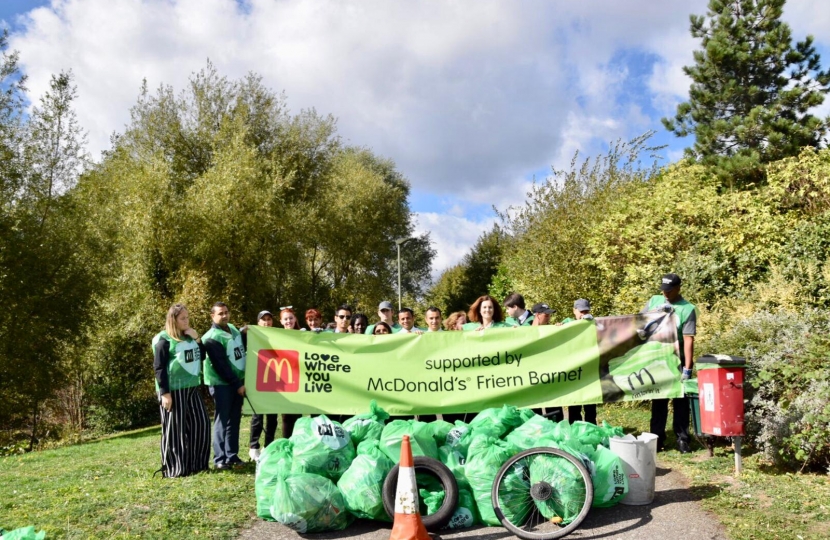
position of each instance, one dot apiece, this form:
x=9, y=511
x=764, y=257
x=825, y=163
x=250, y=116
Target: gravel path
x=675, y=514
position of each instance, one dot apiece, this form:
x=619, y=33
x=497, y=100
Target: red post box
x=720, y=381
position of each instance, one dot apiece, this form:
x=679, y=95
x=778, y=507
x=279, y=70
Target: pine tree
x=752, y=91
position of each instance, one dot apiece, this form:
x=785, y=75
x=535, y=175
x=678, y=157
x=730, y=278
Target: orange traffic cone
x=408, y=524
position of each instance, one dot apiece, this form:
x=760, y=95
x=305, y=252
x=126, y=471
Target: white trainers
x=254, y=453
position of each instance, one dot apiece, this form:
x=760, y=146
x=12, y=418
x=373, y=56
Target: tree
x=752, y=90
x=46, y=285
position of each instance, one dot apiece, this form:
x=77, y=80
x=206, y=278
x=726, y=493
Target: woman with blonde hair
x=455, y=321
x=185, y=427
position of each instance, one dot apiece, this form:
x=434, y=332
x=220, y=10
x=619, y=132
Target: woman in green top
x=185, y=428
x=485, y=313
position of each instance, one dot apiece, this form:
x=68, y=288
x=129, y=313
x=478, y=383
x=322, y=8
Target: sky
x=473, y=100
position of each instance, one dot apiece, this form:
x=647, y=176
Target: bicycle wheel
x=542, y=494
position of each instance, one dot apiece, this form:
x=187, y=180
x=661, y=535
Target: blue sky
x=472, y=100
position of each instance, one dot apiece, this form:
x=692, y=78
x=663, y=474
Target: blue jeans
x=226, y=421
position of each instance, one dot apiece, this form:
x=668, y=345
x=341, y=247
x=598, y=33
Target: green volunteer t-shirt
x=234, y=349
x=184, y=363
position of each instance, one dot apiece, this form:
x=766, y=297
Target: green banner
x=596, y=361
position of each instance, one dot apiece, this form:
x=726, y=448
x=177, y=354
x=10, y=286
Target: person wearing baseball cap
x=686, y=316
x=266, y=319
x=541, y=317
x=386, y=313
x=541, y=314
x=582, y=311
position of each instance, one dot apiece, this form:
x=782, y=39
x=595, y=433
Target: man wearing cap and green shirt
x=686, y=315
x=517, y=315
x=582, y=311
x=224, y=369
x=385, y=314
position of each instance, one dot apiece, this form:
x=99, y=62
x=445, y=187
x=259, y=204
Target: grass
x=106, y=489
x=763, y=503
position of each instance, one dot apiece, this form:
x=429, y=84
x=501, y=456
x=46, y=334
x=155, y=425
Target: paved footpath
x=674, y=515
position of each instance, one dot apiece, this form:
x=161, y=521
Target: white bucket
x=639, y=457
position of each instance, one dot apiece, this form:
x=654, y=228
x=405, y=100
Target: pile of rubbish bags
x=23, y=533
x=328, y=474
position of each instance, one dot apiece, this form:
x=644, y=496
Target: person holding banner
x=341, y=319
x=433, y=318
x=517, y=315
x=358, y=323
x=406, y=318
x=385, y=313
x=185, y=428
x=582, y=311
x=288, y=321
x=314, y=320
x=541, y=317
x=456, y=321
x=686, y=316
x=265, y=319
x=224, y=368
x=485, y=313
x=381, y=329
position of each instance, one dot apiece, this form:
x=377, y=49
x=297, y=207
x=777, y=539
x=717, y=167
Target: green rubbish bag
x=529, y=434
x=568, y=487
x=485, y=458
x=431, y=500
x=23, y=533
x=362, y=484
x=367, y=425
x=440, y=430
x=420, y=438
x=466, y=513
x=459, y=437
x=321, y=446
x=275, y=459
x=608, y=477
x=454, y=461
x=497, y=421
x=309, y=503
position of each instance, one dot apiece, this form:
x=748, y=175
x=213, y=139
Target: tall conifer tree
x=752, y=90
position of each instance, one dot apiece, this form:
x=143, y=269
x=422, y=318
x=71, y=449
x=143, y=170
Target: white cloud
x=468, y=98
x=452, y=236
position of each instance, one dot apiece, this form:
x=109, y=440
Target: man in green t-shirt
x=386, y=314
x=224, y=370
x=686, y=315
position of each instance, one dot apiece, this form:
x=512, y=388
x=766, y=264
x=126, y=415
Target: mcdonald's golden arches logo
x=278, y=370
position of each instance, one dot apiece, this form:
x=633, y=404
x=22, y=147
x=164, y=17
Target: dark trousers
x=288, y=421
x=256, y=429
x=680, y=421
x=575, y=413
x=185, y=434
x=226, y=424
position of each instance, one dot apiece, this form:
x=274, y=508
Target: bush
x=787, y=385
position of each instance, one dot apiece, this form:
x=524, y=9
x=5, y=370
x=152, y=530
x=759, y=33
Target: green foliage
x=217, y=193
x=751, y=91
x=46, y=283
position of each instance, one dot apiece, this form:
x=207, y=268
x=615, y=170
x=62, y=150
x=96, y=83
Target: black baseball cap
x=541, y=308
x=669, y=282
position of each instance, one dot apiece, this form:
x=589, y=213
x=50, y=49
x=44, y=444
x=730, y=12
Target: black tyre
x=542, y=494
x=423, y=464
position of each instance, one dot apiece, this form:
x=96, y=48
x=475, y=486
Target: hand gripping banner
x=607, y=359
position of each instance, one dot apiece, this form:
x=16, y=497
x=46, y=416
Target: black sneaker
x=683, y=447
x=222, y=467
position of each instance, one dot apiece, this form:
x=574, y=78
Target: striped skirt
x=185, y=434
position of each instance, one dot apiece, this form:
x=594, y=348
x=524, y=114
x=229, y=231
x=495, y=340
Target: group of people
x=182, y=359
